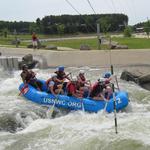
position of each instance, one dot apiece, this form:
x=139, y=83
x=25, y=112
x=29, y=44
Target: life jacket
x=69, y=89
x=34, y=38
x=97, y=89
x=54, y=87
x=27, y=76
x=107, y=81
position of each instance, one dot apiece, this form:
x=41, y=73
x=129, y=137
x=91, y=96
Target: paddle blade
x=50, y=111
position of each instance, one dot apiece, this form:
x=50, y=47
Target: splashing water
x=25, y=126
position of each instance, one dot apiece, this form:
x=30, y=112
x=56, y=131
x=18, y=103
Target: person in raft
x=29, y=77
x=82, y=84
x=53, y=87
x=61, y=77
x=107, y=81
x=72, y=88
x=97, y=92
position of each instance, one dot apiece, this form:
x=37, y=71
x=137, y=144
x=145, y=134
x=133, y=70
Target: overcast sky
x=30, y=10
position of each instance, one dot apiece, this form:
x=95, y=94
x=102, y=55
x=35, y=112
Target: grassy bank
x=132, y=43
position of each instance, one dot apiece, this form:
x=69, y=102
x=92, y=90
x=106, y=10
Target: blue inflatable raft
x=72, y=103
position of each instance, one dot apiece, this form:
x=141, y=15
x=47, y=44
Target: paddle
x=82, y=105
x=51, y=109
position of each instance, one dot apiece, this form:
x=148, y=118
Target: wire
x=113, y=5
x=91, y=6
x=72, y=7
x=80, y=15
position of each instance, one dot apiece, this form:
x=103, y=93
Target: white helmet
x=101, y=80
x=81, y=72
x=74, y=78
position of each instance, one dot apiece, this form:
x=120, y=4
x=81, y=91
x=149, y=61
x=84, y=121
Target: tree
x=127, y=31
x=33, y=28
x=104, y=24
x=147, y=28
x=60, y=29
x=5, y=32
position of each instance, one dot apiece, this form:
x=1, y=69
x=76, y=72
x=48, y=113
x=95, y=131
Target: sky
x=30, y=10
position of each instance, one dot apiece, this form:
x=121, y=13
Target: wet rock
x=30, y=46
x=85, y=47
x=51, y=47
x=39, y=46
x=117, y=46
x=121, y=47
x=141, y=78
x=29, y=61
x=112, y=46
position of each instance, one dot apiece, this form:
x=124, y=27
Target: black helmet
x=24, y=66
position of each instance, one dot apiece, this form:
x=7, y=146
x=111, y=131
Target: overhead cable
x=72, y=7
x=91, y=6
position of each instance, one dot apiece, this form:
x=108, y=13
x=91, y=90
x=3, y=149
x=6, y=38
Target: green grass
x=132, y=43
x=75, y=43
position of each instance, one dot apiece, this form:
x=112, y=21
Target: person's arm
x=51, y=88
x=77, y=95
x=33, y=74
x=80, y=80
x=23, y=78
x=58, y=80
x=67, y=76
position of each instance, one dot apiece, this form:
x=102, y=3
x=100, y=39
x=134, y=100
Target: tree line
x=68, y=24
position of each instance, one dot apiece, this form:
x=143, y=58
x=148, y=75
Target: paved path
x=90, y=58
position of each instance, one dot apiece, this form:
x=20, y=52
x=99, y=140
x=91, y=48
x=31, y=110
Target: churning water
x=25, y=126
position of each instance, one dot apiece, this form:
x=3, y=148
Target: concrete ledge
x=85, y=58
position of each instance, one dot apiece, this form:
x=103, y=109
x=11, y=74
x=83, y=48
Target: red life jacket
x=71, y=88
x=34, y=38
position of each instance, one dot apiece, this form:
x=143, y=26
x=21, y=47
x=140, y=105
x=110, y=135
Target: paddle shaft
x=51, y=110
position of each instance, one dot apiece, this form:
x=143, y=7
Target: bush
x=127, y=32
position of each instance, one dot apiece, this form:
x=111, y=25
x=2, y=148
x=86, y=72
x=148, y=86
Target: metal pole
x=98, y=36
x=114, y=98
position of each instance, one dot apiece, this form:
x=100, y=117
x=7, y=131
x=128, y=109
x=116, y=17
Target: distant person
x=82, y=84
x=34, y=40
x=29, y=77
